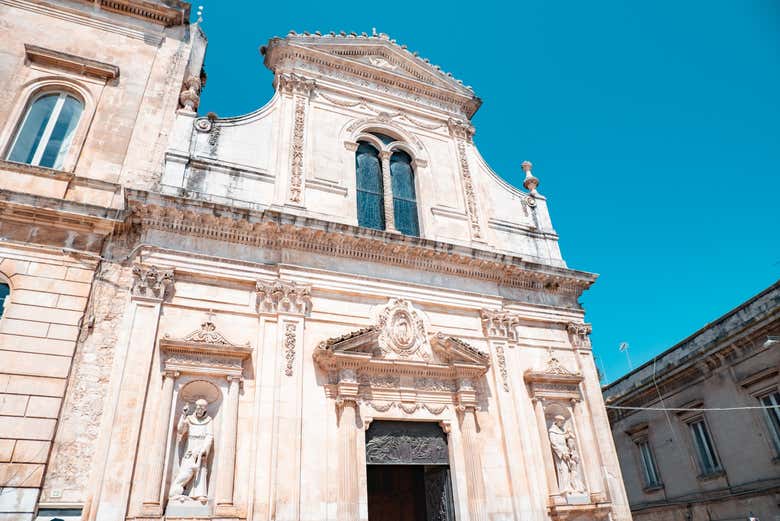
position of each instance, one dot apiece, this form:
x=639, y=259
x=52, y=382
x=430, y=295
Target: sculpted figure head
x=200, y=408
x=560, y=421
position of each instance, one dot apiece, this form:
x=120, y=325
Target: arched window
x=47, y=130
x=404, y=198
x=370, y=193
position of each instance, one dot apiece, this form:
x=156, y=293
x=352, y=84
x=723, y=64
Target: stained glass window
x=404, y=197
x=370, y=193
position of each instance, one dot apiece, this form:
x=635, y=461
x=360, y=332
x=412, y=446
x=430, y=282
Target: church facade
x=329, y=308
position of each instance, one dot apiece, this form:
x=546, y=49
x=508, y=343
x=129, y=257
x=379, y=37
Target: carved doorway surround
x=397, y=370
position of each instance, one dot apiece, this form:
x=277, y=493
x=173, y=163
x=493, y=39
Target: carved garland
x=502, y=366
x=296, y=152
x=289, y=347
x=462, y=131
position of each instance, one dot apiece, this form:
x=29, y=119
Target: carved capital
x=460, y=129
x=499, y=324
x=150, y=282
x=295, y=84
x=385, y=155
x=170, y=373
x=579, y=334
x=283, y=296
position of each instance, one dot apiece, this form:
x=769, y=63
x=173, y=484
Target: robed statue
x=567, y=459
x=196, y=431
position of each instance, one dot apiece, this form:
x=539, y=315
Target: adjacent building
x=307, y=312
x=714, y=453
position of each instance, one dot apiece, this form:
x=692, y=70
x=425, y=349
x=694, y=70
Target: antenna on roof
x=623, y=347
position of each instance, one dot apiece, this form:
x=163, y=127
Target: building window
x=47, y=130
x=404, y=198
x=708, y=460
x=370, y=193
x=649, y=470
x=771, y=402
x=5, y=292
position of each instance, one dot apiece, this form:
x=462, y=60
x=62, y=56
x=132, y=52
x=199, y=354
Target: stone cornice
x=71, y=62
x=276, y=230
x=161, y=12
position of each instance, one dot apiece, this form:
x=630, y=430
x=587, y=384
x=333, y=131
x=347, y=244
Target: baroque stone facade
x=695, y=462
x=201, y=324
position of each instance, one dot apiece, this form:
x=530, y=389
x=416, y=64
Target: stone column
x=475, y=483
x=591, y=467
x=387, y=188
x=348, y=498
x=549, y=464
x=226, y=476
x=152, y=505
x=150, y=288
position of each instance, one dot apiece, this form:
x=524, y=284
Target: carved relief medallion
x=403, y=330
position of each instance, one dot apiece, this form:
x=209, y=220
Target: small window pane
x=62, y=134
x=404, y=197
x=772, y=414
x=706, y=451
x=370, y=193
x=5, y=291
x=648, y=464
x=29, y=135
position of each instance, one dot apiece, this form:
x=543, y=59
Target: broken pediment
x=401, y=342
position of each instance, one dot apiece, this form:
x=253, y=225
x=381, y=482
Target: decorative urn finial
x=530, y=182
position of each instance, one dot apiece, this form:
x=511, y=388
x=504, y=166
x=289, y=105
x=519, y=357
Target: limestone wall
x=38, y=334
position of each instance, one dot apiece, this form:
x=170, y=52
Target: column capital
x=279, y=295
x=497, y=324
x=171, y=373
x=385, y=154
x=234, y=378
x=151, y=282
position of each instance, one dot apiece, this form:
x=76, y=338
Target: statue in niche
x=566, y=456
x=197, y=431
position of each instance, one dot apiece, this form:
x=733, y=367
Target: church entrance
x=408, y=472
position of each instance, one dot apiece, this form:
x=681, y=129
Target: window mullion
x=43, y=143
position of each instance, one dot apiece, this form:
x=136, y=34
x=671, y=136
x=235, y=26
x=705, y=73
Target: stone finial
x=530, y=182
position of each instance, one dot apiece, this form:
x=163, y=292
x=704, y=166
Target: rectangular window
x=708, y=460
x=649, y=470
x=771, y=402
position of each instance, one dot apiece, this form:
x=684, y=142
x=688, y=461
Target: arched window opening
x=404, y=197
x=5, y=292
x=370, y=193
x=47, y=130
x=384, y=138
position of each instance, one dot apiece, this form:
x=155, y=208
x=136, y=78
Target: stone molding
x=151, y=282
x=283, y=296
x=275, y=230
x=71, y=62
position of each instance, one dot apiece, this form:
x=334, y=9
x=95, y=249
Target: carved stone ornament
x=554, y=381
x=402, y=330
x=296, y=152
x=463, y=133
x=499, y=324
x=190, y=94
x=295, y=84
x=579, y=334
x=409, y=443
x=151, y=282
x=397, y=364
x=283, y=296
x=204, y=351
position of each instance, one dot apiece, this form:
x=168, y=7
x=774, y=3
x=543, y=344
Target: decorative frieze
x=296, y=152
x=502, y=366
x=282, y=296
x=295, y=84
x=151, y=282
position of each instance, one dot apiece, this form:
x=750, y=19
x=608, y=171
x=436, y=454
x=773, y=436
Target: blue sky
x=654, y=128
